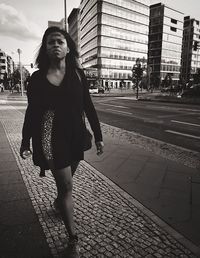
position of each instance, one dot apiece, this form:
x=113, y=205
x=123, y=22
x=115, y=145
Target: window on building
x=173, y=29
x=174, y=21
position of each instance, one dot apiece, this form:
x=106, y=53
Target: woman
x=58, y=95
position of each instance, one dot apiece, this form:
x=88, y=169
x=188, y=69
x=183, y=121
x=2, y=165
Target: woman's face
x=56, y=46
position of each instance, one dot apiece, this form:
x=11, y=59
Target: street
x=173, y=123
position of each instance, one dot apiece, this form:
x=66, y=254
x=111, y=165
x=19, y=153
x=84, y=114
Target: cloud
x=15, y=25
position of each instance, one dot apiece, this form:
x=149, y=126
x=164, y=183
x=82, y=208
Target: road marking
x=172, y=108
x=126, y=98
x=118, y=111
x=8, y=107
x=161, y=107
x=188, y=109
x=183, y=134
x=112, y=105
x=167, y=116
x=2, y=101
x=180, y=122
x=133, y=116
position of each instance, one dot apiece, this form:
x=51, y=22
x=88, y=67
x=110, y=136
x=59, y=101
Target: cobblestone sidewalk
x=109, y=222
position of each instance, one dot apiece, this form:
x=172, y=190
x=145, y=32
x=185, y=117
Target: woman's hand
x=99, y=146
x=25, y=152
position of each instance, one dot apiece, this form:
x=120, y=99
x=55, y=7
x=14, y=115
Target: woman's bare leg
x=63, y=178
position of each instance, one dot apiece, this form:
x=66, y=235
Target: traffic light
x=31, y=65
x=196, y=45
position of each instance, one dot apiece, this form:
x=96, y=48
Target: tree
x=196, y=77
x=16, y=76
x=137, y=73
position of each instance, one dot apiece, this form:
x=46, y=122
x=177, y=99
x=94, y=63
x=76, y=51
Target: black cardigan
x=69, y=105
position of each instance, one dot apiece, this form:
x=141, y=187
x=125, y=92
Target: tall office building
x=114, y=33
x=3, y=64
x=165, y=42
x=74, y=26
x=190, y=54
x=6, y=65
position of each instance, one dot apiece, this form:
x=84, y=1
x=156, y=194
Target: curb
x=166, y=150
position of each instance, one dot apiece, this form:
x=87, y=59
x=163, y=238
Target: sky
x=22, y=22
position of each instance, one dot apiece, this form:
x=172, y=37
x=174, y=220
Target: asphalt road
x=173, y=123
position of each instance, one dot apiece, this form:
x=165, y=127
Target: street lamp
x=65, y=11
x=20, y=66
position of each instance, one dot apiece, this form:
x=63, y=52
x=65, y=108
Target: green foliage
x=16, y=76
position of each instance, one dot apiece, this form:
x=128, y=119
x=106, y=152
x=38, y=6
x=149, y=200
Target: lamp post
x=20, y=66
x=65, y=11
x=149, y=71
x=197, y=58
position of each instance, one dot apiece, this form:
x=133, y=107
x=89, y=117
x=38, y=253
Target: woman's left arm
x=92, y=115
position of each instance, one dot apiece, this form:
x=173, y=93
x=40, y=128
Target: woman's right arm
x=27, y=125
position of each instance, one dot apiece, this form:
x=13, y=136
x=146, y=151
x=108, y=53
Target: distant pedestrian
x=11, y=87
x=58, y=95
x=17, y=87
x=1, y=87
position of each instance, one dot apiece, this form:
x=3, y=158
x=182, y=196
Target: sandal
x=56, y=206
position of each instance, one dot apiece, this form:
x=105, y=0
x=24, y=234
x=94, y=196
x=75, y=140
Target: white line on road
x=183, y=134
x=172, y=108
x=112, y=105
x=8, y=107
x=2, y=101
x=118, y=111
x=128, y=98
x=161, y=107
x=132, y=115
x=186, y=123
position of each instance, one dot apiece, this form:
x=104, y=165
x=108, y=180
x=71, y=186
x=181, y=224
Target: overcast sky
x=23, y=22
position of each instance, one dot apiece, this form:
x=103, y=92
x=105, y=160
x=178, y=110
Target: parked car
x=93, y=90
x=193, y=91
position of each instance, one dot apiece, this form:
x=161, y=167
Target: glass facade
x=73, y=28
x=6, y=65
x=165, y=42
x=114, y=33
x=190, y=56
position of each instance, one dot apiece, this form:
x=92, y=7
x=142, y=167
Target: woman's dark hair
x=42, y=59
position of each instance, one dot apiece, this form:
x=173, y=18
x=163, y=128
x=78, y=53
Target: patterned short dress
x=47, y=127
